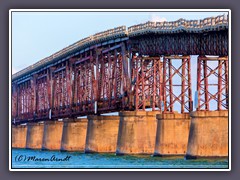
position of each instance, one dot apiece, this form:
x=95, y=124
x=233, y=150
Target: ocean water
x=28, y=159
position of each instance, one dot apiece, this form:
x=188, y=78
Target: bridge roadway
x=126, y=69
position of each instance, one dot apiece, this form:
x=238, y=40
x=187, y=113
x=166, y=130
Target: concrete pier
x=19, y=136
x=74, y=134
x=102, y=132
x=137, y=132
x=208, y=134
x=34, y=135
x=172, y=134
x=52, y=135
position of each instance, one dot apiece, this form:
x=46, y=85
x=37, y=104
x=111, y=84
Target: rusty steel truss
x=216, y=90
x=149, y=68
x=180, y=90
x=147, y=82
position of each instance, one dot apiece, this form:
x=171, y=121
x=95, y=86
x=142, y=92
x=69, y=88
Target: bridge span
x=125, y=69
x=129, y=70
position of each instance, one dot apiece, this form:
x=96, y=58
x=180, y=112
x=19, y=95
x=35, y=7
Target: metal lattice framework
x=25, y=100
x=147, y=78
x=14, y=101
x=182, y=95
x=84, y=86
x=182, y=43
x=219, y=71
x=61, y=90
x=127, y=69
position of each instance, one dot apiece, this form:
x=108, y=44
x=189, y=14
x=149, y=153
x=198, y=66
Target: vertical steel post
x=219, y=107
x=205, y=85
x=183, y=85
x=199, y=72
x=164, y=84
x=154, y=93
x=189, y=85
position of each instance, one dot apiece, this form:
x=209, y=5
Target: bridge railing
x=207, y=24
x=115, y=32
x=98, y=37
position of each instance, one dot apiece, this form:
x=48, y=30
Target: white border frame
x=121, y=10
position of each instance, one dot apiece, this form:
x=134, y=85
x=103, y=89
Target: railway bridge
x=131, y=70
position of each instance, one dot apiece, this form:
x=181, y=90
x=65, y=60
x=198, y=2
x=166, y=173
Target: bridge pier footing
x=74, y=134
x=137, y=132
x=208, y=134
x=19, y=136
x=34, y=135
x=172, y=134
x=102, y=132
x=52, y=135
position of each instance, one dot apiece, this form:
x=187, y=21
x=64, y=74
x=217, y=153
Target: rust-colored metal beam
x=118, y=76
x=219, y=96
x=177, y=92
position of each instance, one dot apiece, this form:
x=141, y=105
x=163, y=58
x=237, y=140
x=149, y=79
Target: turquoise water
x=22, y=158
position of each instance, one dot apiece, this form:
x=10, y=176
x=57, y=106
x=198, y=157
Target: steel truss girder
x=110, y=80
x=61, y=90
x=204, y=73
x=24, y=97
x=98, y=81
x=114, y=77
x=84, y=90
x=14, y=101
x=182, y=43
x=147, y=82
x=177, y=92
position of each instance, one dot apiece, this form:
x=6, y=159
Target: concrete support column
x=34, y=135
x=137, y=132
x=208, y=134
x=52, y=135
x=19, y=136
x=172, y=134
x=102, y=132
x=74, y=134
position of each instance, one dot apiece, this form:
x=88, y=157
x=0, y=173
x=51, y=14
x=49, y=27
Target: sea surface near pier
x=38, y=159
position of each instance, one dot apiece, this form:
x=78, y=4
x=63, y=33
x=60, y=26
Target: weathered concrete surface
x=208, y=134
x=102, y=132
x=34, y=135
x=19, y=136
x=137, y=132
x=74, y=134
x=172, y=134
x=52, y=136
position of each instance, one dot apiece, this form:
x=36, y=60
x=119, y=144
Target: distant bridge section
x=195, y=37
